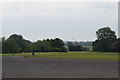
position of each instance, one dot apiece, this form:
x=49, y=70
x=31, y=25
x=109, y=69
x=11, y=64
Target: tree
x=10, y=46
x=0, y=45
x=18, y=39
x=75, y=47
x=22, y=43
x=69, y=43
x=105, y=33
x=16, y=43
x=116, y=45
x=105, y=36
x=38, y=46
x=57, y=43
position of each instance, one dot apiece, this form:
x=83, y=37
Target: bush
x=55, y=49
x=75, y=48
x=64, y=49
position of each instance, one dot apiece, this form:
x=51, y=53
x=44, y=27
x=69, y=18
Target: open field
x=73, y=55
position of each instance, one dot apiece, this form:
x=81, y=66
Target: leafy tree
x=0, y=45
x=16, y=43
x=38, y=46
x=10, y=46
x=57, y=43
x=18, y=39
x=22, y=43
x=72, y=47
x=69, y=43
x=105, y=38
x=105, y=33
x=56, y=49
x=118, y=45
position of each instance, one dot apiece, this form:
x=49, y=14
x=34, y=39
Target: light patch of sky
x=0, y=20
x=59, y=0
x=119, y=19
x=65, y=20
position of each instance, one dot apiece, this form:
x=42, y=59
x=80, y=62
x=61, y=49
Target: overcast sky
x=66, y=20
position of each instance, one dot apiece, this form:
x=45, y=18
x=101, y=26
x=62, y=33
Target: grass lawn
x=72, y=54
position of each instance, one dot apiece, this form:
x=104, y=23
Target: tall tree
x=105, y=33
x=18, y=39
x=22, y=43
x=105, y=36
x=16, y=43
x=10, y=46
x=57, y=43
x=0, y=47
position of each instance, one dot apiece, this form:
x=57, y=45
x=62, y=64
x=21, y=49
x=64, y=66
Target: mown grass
x=74, y=55
x=79, y=56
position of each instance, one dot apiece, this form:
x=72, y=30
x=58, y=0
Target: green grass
x=74, y=55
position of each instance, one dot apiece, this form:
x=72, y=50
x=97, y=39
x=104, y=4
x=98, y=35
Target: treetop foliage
x=105, y=33
x=16, y=43
x=106, y=40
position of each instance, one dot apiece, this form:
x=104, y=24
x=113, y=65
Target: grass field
x=73, y=55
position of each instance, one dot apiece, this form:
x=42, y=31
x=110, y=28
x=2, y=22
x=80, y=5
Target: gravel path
x=21, y=67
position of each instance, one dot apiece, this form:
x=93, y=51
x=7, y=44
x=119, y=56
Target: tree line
x=17, y=44
x=75, y=46
x=106, y=41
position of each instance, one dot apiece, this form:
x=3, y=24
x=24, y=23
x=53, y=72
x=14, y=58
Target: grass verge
x=73, y=55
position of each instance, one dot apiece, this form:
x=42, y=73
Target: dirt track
x=21, y=67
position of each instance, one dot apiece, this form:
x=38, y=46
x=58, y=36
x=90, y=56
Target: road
x=23, y=67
